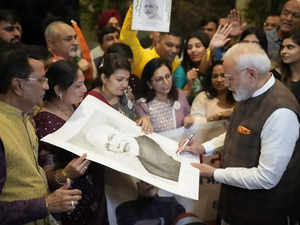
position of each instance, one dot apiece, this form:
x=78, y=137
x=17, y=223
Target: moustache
x=15, y=40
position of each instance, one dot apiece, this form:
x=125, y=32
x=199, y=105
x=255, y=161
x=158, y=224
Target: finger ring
x=72, y=203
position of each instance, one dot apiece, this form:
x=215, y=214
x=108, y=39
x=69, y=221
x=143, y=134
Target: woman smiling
x=290, y=62
x=166, y=105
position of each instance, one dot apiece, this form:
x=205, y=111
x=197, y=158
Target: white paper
x=93, y=117
x=206, y=207
x=151, y=15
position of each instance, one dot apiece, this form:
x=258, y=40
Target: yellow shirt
x=141, y=56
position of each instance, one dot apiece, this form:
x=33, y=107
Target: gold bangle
x=58, y=177
x=64, y=173
x=208, y=53
x=220, y=115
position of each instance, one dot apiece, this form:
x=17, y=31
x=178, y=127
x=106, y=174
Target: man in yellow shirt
x=167, y=47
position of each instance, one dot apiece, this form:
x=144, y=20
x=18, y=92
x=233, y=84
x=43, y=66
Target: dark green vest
x=243, y=150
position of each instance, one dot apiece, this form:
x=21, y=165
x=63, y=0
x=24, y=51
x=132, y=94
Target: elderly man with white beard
x=260, y=157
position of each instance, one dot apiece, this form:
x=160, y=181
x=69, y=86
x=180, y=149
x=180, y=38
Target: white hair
x=249, y=55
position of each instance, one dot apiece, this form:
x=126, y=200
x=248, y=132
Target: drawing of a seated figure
x=149, y=153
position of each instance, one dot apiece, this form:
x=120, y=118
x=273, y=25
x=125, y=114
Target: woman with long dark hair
x=216, y=101
x=290, y=62
x=67, y=89
x=198, y=52
x=187, y=76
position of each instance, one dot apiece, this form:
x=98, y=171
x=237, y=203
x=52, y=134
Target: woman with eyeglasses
x=67, y=89
x=166, y=105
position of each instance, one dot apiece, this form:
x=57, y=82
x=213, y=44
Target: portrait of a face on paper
x=151, y=15
x=151, y=9
x=113, y=142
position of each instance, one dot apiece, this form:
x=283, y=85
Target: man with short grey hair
x=260, y=157
x=62, y=42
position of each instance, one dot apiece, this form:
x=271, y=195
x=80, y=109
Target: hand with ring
x=63, y=199
x=73, y=204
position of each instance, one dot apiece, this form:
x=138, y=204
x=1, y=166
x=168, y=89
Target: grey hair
x=249, y=55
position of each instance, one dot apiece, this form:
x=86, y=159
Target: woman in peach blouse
x=216, y=102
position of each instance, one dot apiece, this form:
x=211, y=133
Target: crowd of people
x=225, y=70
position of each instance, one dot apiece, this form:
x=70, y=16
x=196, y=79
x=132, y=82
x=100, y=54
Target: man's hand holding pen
x=189, y=145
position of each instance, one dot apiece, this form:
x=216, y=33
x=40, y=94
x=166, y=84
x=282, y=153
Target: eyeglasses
x=286, y=12
x=160, y=79
x=39, y=79
x=229, y=77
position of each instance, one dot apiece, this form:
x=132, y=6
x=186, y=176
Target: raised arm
x=220, y=39
x=129, y=37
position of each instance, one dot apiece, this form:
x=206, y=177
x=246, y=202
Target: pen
x=185, y=143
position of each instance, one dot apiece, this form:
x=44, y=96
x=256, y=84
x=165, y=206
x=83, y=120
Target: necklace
x=64, y=112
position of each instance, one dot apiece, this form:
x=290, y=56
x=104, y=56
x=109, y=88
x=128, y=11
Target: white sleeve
x=278, y=139
x=211, y=145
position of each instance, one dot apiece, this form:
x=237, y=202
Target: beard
x=241, y=95
x=75, y=51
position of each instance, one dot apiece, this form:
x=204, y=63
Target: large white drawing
x=110, y=138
